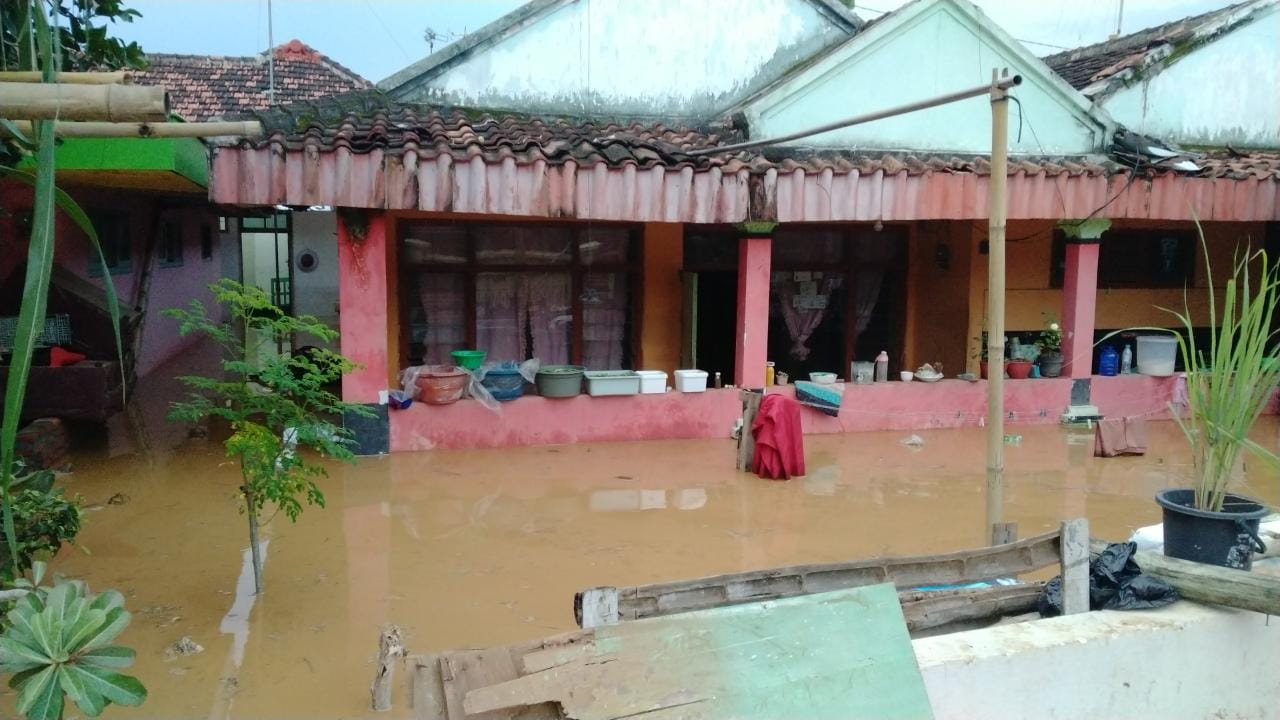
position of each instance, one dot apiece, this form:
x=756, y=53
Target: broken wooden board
x=957, y=568
x=839, y=654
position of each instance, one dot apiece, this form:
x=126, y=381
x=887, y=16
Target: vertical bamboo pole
x=996, y=210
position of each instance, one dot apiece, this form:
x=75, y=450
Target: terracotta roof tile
x=1086, y=65
x=366, y=121
x=210, y=86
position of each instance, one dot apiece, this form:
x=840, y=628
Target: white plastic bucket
x=691, y=381
x=652, y=382
x=1157, y=354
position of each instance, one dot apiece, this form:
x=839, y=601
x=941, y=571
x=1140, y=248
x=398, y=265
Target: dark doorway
x=717, y=316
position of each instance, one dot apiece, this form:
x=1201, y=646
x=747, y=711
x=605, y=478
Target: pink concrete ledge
x=673, y=415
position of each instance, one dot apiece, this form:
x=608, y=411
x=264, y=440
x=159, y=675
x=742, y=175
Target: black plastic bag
x=1115, y=583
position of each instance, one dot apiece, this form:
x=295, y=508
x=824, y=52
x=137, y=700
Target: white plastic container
x=691, y=381
x=1157, y=354
x=612, y=382
x=652, y=382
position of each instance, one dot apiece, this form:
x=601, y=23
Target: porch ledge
x=533, y=420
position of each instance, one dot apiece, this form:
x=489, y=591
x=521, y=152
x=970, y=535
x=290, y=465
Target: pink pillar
x=751, y=342
x=1079, y=298
x=363, y=308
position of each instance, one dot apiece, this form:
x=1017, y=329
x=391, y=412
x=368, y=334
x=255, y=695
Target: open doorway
x=265, y=250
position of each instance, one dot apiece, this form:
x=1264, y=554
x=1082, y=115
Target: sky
x=378, y=37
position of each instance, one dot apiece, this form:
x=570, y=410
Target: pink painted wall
x=1079, y=305
x=751, y=336
x=170, y=286
x=673, y=415
x=363, y=309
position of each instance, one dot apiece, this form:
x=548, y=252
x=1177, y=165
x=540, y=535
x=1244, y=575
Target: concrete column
x=364, y=306
x=1080, y=295
x=751, y=338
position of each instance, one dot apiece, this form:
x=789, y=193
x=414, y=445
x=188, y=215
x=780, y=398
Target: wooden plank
x=1004, y=533
x=1075, y=566
x=838, y=654
x=956, y=568
x=440, y=681
x=596, y=606
x=1211, y=584
x=934, y=609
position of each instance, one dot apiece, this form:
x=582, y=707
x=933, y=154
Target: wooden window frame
x=112, y=227
x=632, y=267
x=172, y=242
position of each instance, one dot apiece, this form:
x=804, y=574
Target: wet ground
x=473, y=548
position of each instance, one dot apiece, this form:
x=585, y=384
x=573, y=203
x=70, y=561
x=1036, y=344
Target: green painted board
x=187, y=157
x=843, y=654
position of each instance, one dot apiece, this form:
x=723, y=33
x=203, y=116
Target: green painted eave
x=184, y=157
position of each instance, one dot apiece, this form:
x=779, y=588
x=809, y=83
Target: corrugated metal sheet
x=271, y=175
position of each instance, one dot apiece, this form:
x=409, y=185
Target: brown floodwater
x=475, y=548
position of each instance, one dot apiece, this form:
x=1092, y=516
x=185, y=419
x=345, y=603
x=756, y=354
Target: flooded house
x=556, y=186
x=162, y=241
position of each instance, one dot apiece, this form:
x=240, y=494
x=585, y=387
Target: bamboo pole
x=243, y=128
x=113, y=103
x=70, y=78
x=996, y=210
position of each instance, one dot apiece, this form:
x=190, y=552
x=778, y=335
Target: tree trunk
x=253, y=541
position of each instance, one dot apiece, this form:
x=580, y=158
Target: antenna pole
x=271, y=59
x=1119, y=18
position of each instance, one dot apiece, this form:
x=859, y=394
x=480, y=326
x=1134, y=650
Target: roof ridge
x=1146, y=34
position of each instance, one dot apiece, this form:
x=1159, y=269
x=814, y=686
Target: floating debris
x=913, y=441
x=182, y=648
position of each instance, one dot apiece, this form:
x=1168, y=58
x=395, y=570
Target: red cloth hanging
x=779, y=452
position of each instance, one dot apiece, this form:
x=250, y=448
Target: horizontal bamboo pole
x=1211, y=584
x=239, y=128
x=120, y=77
x=113, y=103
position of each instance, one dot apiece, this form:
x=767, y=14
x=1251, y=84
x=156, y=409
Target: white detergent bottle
x=1126, y=361
x=882, y=367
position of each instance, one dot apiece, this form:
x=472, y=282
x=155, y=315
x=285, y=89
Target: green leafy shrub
x=57, y=642
x=268, y=400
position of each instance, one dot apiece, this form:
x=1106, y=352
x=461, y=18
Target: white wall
x=650, y=58
x=1226, y=92
x=924, y=51
x=1182, y=661
x=316, y=292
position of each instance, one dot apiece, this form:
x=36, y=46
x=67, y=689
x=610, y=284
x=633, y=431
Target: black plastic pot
x=1228, y=538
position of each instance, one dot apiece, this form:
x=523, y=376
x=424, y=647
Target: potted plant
x=1050, y=343
x=982, y=354
x=1228, y=387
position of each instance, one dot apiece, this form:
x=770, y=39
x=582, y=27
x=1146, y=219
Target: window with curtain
x=558, y=293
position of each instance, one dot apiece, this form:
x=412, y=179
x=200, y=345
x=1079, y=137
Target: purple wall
x=169, y=287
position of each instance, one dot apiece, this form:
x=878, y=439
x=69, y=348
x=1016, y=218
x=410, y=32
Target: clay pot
x=441, y=384
x=1051, y=364
x=1018, y=369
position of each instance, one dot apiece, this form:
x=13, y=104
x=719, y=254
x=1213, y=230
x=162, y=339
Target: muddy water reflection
x=477, y=548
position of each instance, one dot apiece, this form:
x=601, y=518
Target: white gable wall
x=650, y=58
x=921, y=52
x=1225, y=92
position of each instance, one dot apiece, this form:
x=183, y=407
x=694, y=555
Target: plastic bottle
x=882, y=367
x=718, y=382
x=1109, y=361
x=770, y=373
x=1126, y=361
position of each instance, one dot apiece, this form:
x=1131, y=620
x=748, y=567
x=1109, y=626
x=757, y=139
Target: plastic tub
x=1157, y=354
x=504, y=383
x=559, y=381
x=822, y=378
x=469, y=359
x=441, y=384
x=652, y=382
x=612, y=382
x=691, y=381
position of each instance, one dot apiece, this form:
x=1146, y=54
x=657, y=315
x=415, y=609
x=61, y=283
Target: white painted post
x=1074, y=551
